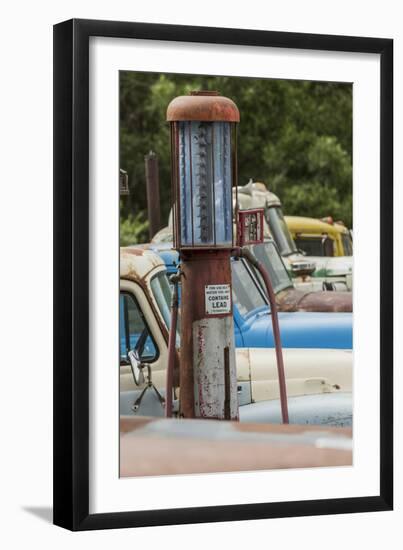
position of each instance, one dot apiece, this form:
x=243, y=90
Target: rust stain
x=200, y=340
x=321, y=301
x=202, y=107
x=134, y=251
x=199, y=362
x=135, y=260
x=133, y=276
x=130, y=423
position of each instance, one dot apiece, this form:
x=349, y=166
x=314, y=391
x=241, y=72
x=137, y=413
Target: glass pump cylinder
x=203, y=169
x=205, y=181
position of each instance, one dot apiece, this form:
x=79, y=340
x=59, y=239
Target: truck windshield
x=322, y=245
x=268, y=255
x=312, y=246
x=280, y=231
x=246, y=294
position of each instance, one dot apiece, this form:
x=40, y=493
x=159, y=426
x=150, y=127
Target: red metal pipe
x=247, y=254
x=171, y=347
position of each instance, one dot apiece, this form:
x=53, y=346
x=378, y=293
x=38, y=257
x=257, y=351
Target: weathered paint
x=210, y=338
x=203, y=106
x=333, y=268
x=139, y=265
x=307, y=372
x=200, y=269
x=137, y=262
x=319, y=409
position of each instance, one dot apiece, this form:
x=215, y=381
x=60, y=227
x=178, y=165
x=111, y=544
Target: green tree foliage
x=133, y=229
x=295, y=136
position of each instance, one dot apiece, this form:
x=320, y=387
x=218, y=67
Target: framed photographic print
x=223, y=303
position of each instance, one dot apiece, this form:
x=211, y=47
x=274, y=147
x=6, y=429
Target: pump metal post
x=153, y=193
x=203, y=171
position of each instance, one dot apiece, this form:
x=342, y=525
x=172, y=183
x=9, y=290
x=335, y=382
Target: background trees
x=295, y=136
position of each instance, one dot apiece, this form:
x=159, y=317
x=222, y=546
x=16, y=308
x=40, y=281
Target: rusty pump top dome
x=205, y=106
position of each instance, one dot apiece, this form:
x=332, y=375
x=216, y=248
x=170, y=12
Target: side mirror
x=137, y=367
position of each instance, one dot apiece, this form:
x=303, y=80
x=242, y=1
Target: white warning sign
x=217, y=299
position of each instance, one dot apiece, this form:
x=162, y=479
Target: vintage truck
x=320, y=237
x=319, y=381
x=334, y=272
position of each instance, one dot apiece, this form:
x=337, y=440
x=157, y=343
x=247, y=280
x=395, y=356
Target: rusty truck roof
x=136, y=263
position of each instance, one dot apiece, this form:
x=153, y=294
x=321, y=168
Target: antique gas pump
x=203, y=153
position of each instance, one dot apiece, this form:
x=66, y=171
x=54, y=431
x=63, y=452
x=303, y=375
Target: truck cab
x=308, y=296
x=320, y=237
x=335, y=273
x=144, y=314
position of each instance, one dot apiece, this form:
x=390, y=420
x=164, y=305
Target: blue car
x=252, y=323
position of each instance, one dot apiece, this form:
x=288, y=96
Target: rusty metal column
x=208, y=381
x=153, y=193
x=203, y=171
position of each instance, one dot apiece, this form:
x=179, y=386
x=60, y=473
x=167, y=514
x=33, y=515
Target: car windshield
x=268, y=255
x=280, y=231
x=245, y=292
x=162, y=292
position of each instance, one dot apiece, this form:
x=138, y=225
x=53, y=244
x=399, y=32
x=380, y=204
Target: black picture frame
x=71, y=274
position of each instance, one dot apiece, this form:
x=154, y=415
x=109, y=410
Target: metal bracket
x=149, y=385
